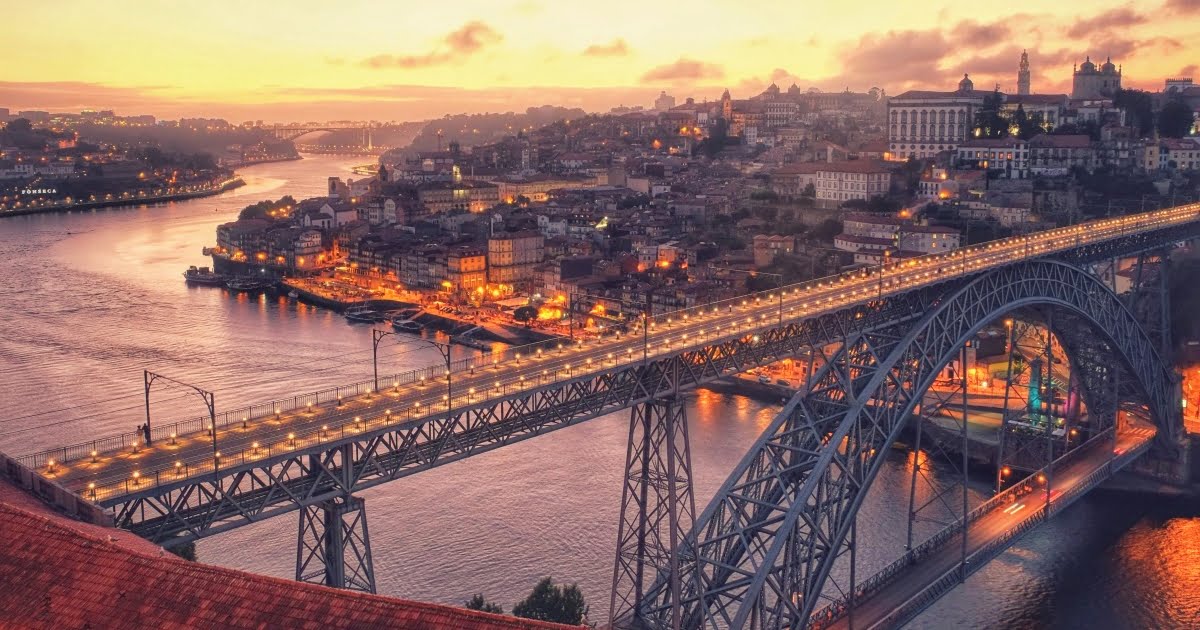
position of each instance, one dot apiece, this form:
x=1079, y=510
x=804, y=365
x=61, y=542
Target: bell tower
x=1023, y=74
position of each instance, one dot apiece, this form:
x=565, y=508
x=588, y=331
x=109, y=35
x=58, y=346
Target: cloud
x=883, y=58
x=1182, y=6
x=1188, y=70
x=615, y=48
x=466, y=41
x=979, y=35
x=683, y=70
x=1122, y=17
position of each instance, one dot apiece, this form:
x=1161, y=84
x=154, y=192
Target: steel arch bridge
x=761, y=552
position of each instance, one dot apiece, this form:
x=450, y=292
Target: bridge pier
x=657, y=509
x=333, y=547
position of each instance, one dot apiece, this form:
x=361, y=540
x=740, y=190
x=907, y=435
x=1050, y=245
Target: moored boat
x=248, y=285
x=363, y=315
x=402, y=324
x=203, y=276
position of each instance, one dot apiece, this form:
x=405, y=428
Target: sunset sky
x=402, y=60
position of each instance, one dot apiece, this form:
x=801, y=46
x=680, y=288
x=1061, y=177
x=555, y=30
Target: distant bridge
x=762, y=553
x=291, y=132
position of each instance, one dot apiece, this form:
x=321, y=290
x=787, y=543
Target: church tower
x=1023, y=74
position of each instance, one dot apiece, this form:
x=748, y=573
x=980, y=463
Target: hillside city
x=663, y=208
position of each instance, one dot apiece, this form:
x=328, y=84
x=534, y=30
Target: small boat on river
x=248, y=285
x=405, y=325
x=204, y=276
x=363, y=315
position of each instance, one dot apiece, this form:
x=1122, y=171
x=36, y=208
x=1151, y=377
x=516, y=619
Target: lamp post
x=378, y=335
x=208, y=397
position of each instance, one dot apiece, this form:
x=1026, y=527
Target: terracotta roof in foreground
x=58, y=575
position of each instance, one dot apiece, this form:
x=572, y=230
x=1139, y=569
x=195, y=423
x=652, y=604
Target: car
x=783, y=382
x=764, y=379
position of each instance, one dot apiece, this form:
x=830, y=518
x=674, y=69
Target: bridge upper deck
x=309, y=423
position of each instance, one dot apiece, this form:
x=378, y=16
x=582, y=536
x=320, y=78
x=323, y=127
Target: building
x=664, y=101
x=768, y=246
x=1090, y=82
x=67, y=572
x=466, y=268
x=922, y=123
x=1051, y=154
x=1044, y=110
x=513, y=257
x=791, y=180
x=472, y=196
x=1023, y=74
x=538, y=187
x=837, y=182
x=1172, y=154
x=870, y=236
x=1007, y=155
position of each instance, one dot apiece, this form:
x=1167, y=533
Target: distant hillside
x=474, y=129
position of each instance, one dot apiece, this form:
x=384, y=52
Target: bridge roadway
x=907, y=592
x=108, y=476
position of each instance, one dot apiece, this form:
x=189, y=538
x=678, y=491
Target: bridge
x=763, y=552
x=291, y=132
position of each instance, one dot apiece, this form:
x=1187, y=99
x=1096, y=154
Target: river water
x=90, y=299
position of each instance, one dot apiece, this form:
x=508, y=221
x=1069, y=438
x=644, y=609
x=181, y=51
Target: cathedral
x=1096, y=83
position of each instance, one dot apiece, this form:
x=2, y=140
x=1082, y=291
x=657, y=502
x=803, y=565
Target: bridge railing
x=872, y=585
x=821, y=290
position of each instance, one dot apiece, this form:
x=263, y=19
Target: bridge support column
x=333, y=547
x=657, y=509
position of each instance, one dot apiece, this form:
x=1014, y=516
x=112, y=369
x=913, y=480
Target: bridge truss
x=764, y=547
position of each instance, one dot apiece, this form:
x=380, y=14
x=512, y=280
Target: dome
x=966, y=85
x=1108, y=66
x=1088, y=66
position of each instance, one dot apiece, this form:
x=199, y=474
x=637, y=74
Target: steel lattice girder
x=333, y=547
x=176, y=512
x=192, y=508
x=658, y=507
x=804, y=479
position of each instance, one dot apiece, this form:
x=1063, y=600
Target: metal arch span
x=762, y=550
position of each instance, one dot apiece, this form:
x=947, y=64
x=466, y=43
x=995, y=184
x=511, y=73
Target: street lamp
x=378, y=335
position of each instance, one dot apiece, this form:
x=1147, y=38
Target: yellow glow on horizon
x=289, y=60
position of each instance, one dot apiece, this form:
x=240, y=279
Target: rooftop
x=59, y=572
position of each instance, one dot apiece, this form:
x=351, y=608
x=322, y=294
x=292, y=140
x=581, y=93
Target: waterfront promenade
x=161, y=195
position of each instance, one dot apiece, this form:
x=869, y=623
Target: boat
x=402, y=324
x=248, y=285
x=293, y=295
x=363, y=315
x=203, y=276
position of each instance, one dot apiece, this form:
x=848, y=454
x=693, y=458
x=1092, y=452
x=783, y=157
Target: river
x=93, y=298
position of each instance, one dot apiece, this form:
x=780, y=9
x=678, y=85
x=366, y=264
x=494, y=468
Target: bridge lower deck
x=910, y=591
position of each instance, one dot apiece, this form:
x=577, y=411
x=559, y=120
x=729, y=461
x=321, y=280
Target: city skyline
x=313, y=61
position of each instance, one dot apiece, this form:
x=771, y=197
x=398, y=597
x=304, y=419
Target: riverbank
x=225, y=186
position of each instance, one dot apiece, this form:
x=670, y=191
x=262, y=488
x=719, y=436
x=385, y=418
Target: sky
x=301, y=60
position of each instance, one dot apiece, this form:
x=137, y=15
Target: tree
x=1139, y=109
x=525, y=313
x=19, y=125
x=549, y=602
x=810, y=191
x=828, y=229
x=477, y=602
x=988, y=121
x=1175, y=119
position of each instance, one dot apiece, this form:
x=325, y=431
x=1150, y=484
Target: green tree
x=989, y=123
x=1139, y=109
x=828, y=229
x=525, y=313
x=1175, y=120
x=19, y=125
x=810, y=191
x=477, y=602
x=549, y=602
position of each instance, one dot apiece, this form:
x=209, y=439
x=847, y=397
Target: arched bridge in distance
x=776, y=546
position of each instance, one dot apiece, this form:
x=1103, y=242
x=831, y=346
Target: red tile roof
x=58, y=573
